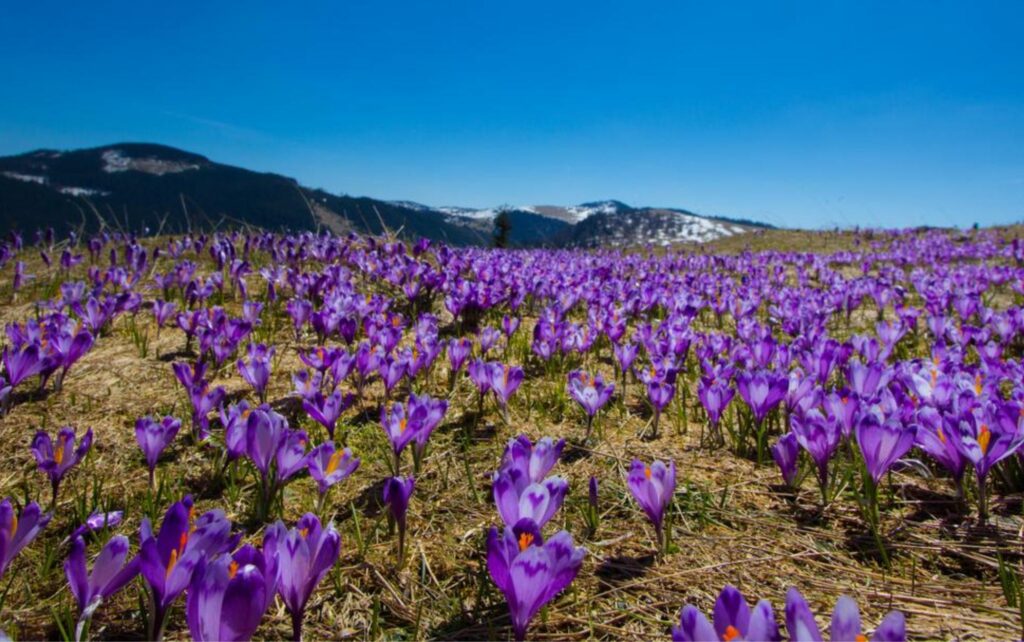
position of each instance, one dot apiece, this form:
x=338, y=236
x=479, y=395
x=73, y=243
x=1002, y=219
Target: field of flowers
x=249, y=435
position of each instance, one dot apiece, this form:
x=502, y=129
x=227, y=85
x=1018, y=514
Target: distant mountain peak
x=144, y=186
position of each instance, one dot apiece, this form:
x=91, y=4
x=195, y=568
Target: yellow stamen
x=58, y=452
x=525, y=540
x=647, y=472
x=942, y=436
x=232, y=569
x=394, y=322
x=332, y=463
x=171, y=562
x=983, y=438
x=14, y=525
x=403, y=424
x=304, y=532
x=731, y=633
x=977, y=384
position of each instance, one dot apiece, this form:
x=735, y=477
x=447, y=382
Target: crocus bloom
x=652, y=487
x=786, y=453
x=733, y=621
x=328, y=465
x=327, y=410
x=22, y=363
x=820, y=438
x=845, y=622
x=529, y=571
x=528, y=463
x=169, y=558
x=426, y=413
x=16, y=531
x=396, y=494
x=110, y=573
x=538, y=501
x=881, y=444
x=458, y=352
x=56, y=458
x=228, y=596
x=762, y=391
x=153, y=437
x=505, y=380
x=304, y=554
x=97, y=521
x=256, y=371
x=398, y=427
x=714, y=395
x=590, y=392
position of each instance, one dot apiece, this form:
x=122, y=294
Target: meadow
x=252, y=435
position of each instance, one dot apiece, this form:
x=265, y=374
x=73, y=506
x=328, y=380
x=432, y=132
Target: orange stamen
x=942, y=436
x=977, y=384
x=861, y=638
x=232, y=569
x=171, y=562
x=304, y=532
x=332, y=463
x=647, y=472
x=403, y=424
x=731, y=633
x=984, y=437
x=14, y=525
x=525, y=540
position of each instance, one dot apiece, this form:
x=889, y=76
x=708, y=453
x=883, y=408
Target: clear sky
x=812, y=114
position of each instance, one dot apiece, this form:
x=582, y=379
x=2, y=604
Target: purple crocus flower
x=762, y=390
x=328, y=465
x=22, y=363
x=734, y=621
x=304, y=554
x=162, y=311
x=426, y=413
x=505, y=380
x=529, y=571
x=17, y=531
x=399, y=428
x=169, y=558
x=538, y=501
x=528, y=463
x=153, y=437
x=110, y=573
x=652, y=487
x=845, y=622
x=660, y=393
x=327, y=410
x=985, y=437
x=95, y=522
x=715, y=395
x=590, y=392
x=820, y=438
x=256, y=371
x=786, y=453
x=881, y=444
x=229, y=595
x=625, y=355
x=935, y=437
x=56, y=458
x=396, y=494
x=458, y=351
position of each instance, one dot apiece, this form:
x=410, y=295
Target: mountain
x=143, y=187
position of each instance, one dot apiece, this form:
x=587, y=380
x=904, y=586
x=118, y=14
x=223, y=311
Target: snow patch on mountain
x=114, y=160
x=26, y=178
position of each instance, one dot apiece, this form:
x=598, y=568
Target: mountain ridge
x=150, y=187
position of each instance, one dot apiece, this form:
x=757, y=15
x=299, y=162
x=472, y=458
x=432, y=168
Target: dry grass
x=730, y=523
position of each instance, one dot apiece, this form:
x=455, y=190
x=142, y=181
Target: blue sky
x=800, y=114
